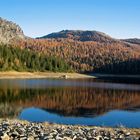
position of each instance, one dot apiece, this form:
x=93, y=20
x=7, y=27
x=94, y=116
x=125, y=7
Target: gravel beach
x=23, y=130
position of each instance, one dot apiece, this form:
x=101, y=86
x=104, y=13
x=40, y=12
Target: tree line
x=15, y=58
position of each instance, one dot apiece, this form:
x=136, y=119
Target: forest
x=15, y=58
x=90, y=56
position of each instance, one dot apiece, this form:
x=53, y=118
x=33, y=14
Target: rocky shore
x=23, y=130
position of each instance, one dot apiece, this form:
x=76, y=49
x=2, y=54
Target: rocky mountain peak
x=10, y=31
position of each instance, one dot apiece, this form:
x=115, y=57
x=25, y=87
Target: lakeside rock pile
x=23, y=130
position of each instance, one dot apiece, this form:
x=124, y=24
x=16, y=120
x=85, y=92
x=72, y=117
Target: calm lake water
x=83, y=101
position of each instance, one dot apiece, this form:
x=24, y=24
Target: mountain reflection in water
x=67, y=98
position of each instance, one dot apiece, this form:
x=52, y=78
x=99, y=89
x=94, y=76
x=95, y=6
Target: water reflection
x=65, y=99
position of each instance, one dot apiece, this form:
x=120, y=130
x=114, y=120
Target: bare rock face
x=10, y=31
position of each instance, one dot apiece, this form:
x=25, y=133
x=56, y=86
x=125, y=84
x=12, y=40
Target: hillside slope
x=84, y=51
x=90, y=56
x=10, y=31
x=79, y=35
x=132, y=40
x=91, y=51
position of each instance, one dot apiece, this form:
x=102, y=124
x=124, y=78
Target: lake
x=72, y=101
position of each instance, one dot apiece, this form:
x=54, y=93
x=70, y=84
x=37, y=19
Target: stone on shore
x=23, y=130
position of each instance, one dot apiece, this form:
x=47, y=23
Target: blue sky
x=118, y=18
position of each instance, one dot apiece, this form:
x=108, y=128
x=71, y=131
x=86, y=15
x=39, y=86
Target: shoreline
x=55, y=75
x=61, y=75
x=116, y=76
x=20, y=129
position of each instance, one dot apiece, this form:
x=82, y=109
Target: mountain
x=132, y=40
x=90, y=56
x=10, y=31
x=90, y=51
x=79, y=35
x=83, y=51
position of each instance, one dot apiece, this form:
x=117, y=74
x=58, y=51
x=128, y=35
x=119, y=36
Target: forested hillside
x=82, y=51
x=90, y=56
x=14, y=58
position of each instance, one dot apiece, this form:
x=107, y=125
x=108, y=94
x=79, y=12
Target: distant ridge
x=79, y=35
x=132, y=40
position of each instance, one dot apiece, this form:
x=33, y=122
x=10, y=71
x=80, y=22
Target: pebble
x=5, y=137
x=22, y=130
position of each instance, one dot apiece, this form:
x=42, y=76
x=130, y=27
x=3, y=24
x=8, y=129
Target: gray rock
x=10, y=31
